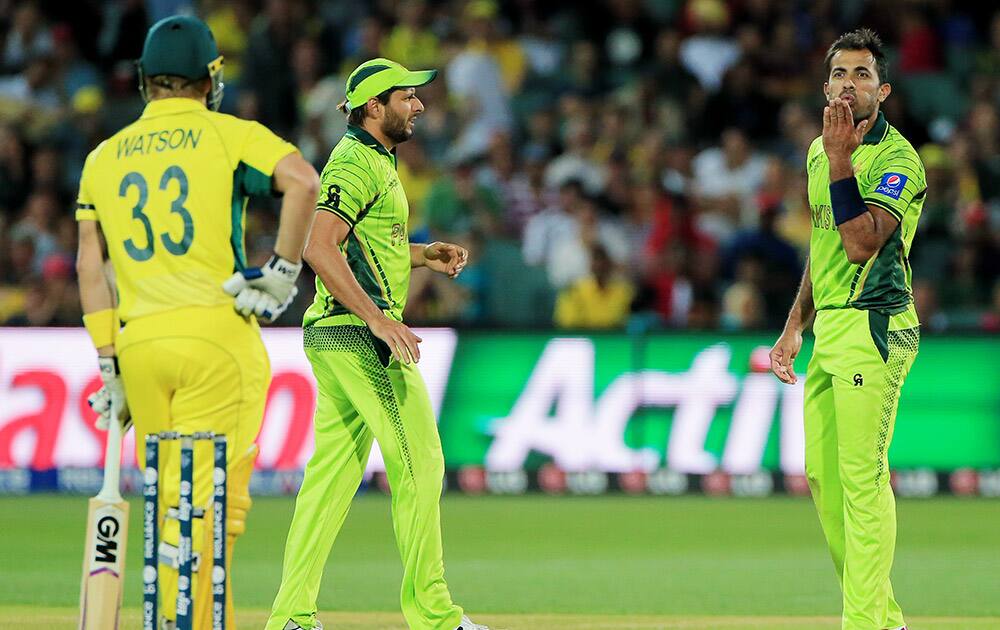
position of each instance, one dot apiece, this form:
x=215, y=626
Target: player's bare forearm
x=323, y=254
x=417, y=258
x=95, y=291
x=840, y=166
x=864, y=235
x=803, y=309
x=299, y=183
x=787, y=347
x=446, y=258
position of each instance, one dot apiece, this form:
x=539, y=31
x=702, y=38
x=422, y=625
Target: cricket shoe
x=291, y=625
x=467, y=624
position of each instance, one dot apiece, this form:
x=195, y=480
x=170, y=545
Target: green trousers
x=852, y=390
x=360, y=399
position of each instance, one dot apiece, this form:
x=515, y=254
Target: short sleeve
x=894, y=182
x=348, y=186
x=261, y=153
x=815, y=149
x=86, y=209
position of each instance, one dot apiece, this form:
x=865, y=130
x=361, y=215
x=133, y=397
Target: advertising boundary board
x=601, y=412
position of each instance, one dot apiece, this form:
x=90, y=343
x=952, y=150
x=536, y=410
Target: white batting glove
x=264, y=291
x=110, y=396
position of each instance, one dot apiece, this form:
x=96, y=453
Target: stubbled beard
x=860, y=115
x=394, y=127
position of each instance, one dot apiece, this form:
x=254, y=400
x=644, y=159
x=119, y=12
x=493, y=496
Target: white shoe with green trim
x=467, y=624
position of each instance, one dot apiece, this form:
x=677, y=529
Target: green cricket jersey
x=360, y=185
x=890, y=176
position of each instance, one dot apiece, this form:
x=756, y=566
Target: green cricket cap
x=182, y=46
x=378, y=75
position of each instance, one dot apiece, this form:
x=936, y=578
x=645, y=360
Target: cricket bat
x=104, y=548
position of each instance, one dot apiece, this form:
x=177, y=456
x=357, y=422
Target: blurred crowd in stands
x=613, y=164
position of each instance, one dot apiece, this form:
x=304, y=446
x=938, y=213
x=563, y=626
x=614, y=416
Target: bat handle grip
x=110, y=490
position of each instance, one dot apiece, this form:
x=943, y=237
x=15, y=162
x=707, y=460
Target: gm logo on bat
x=892, y=185
x=107, y=546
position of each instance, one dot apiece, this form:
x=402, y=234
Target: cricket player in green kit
x=866, y=191
x=364, y=360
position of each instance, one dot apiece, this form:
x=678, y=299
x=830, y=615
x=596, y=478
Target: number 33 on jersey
x=169, y=192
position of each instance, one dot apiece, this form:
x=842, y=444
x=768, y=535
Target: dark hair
x=175, y=84
x=573, y=184
x=598, y=252
x=357, y=115
x=861, y=39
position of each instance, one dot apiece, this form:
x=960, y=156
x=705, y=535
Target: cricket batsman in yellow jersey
x=168, y=193
x=364, y=359
x=866, y=191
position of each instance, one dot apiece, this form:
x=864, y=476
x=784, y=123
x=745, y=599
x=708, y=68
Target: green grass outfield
x=534, y=562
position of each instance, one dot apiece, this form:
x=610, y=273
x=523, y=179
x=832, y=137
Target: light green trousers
x=359, y=400
x=852, y=390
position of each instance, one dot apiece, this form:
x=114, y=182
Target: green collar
x=369, y=141
x=878, y=132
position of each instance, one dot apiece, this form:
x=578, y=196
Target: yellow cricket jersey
x=587, y=304
x=169, y=192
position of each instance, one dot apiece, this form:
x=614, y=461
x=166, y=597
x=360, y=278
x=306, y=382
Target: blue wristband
x=845, y=198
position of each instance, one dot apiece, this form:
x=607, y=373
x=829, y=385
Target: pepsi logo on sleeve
x=892, y=185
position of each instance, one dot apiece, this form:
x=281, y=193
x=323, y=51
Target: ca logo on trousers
x=859, y=380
